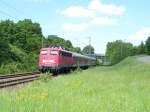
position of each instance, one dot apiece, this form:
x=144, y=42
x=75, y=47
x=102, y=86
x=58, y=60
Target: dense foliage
x=118, y=50
x=20, y=43
x=54, y=40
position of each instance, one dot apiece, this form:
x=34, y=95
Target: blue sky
x=77, y=20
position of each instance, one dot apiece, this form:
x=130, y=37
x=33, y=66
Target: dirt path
x=144, y=58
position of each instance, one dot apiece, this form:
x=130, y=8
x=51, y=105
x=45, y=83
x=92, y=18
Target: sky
x=80, y=21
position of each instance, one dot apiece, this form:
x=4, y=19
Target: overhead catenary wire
x=10, y=6
x=6, y=14
x=79, y=41
x=90, y=38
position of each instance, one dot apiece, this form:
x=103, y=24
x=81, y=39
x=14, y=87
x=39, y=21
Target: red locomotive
x=55, y=59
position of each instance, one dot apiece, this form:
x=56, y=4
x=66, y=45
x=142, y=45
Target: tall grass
x=124, y=87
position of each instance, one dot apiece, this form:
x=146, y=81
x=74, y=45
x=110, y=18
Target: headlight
x=51, y=61
x=48, y=61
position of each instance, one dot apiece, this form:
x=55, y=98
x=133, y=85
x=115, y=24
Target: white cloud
x=78, y=11
x=97, y=5
x=103, y=21
x=141, y=35
x=83, y=26
x=94, y=8
x=75, y=27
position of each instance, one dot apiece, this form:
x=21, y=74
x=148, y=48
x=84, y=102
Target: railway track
x=14, y=79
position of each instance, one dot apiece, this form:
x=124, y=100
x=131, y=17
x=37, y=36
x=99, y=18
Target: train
x=58, y=59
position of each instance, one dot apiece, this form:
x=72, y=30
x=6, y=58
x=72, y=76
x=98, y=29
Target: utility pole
x=90, y=45
x=42, y=41
x=77, y=42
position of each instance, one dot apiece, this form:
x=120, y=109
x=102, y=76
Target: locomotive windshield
x=44, y=52
x=54, y=52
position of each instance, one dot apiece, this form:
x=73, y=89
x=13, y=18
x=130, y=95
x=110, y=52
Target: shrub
x=147, y=46
x=45, y=77
x=78, y=70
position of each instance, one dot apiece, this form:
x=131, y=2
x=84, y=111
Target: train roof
x=82, y=56
x=54, y=48
x=48, y=48
x=73, y=53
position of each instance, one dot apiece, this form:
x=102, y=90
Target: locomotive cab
x=48, y=59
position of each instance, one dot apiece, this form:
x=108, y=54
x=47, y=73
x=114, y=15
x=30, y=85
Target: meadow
x=124, y=87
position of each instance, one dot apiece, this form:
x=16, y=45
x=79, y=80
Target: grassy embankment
x=124, y=87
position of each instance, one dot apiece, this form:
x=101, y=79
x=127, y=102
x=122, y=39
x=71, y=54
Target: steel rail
x=14, y=79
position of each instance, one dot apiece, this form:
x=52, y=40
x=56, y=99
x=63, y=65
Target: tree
x=88, y=50
x=54, y=40
x=141, y=48
x=147, y=46
x=134, y=51
x=4, y=50
x=28, y=35
x=118, y=50
x=8, y=30
x=76, y=49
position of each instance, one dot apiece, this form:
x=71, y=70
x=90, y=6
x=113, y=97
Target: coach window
x=66, y=54
x=44, y=52
x=62, y=53
x=69, y=55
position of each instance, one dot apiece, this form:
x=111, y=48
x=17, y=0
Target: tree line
x=118, y=50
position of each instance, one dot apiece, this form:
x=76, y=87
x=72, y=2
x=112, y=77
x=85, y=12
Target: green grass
x=124, y=87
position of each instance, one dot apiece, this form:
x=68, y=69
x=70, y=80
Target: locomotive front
x=49, y=59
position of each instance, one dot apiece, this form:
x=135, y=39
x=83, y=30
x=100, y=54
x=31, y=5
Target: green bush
x=78, y=70
x=45, y=77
